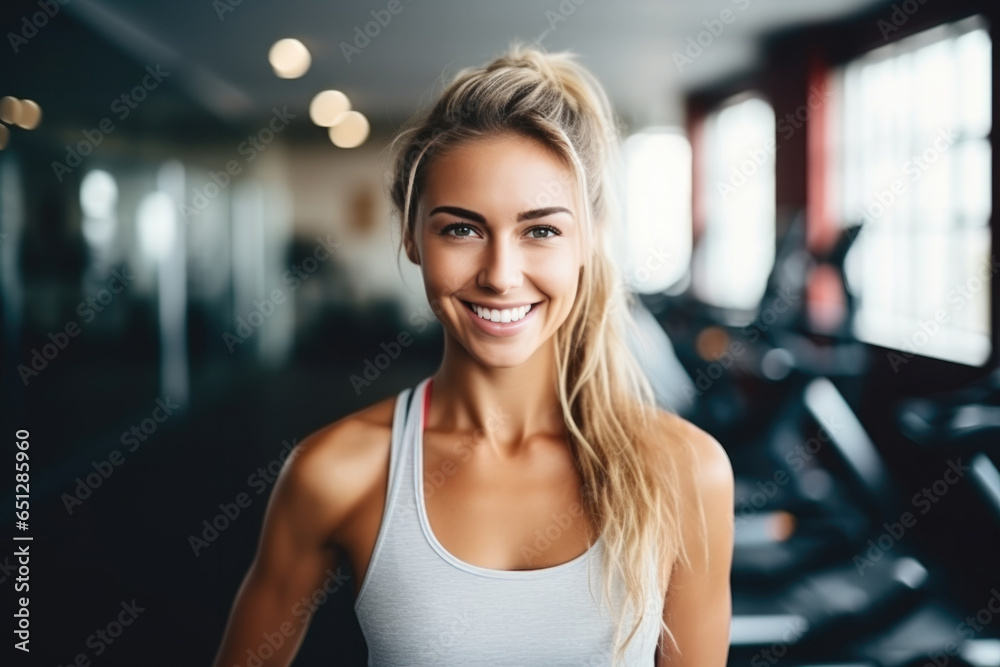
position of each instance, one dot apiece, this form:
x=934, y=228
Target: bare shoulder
x=335, y=467
x=705, y=456
x=708, y=489
x=706, y=479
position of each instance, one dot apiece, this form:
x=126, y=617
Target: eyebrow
x=521, y=217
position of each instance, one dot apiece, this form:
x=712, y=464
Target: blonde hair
x=628, y=466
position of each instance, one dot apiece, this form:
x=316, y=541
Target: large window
x=658, y=209
x=736, y=251
x=912, y=168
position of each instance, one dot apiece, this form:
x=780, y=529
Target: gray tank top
x=420, y=605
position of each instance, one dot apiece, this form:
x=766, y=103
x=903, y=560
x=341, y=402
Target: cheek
x=445, y=272
x=562, y=275
x=559, y=283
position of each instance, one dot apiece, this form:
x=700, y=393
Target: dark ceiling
x=217, y=51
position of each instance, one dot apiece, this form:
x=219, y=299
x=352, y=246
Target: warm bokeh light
x=327, y=107
x=351, y=131
x=30, y=115
x=781, y=526
x=290, y=58
x=711, y=343
x=10, y=109
x=4, y=136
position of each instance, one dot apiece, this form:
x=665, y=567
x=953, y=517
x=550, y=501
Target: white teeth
x=506, y=315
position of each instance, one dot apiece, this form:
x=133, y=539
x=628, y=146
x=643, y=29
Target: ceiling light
x=350, y=131
x=327, y=108
x=30, y=115
x=290, y=58
x=10, y=109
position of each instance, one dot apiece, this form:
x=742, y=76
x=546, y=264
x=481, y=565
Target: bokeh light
x=289, y=58
x=351, y=131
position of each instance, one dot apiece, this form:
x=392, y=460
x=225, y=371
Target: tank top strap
x=411, y=427
x=412, y=423
x=398, y=446
x=398, y=486
x=407, y=423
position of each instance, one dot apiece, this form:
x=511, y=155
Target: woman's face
x=497, y=228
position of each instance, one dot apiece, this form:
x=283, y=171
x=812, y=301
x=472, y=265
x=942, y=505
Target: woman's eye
x=551, y=231
x=462, y=230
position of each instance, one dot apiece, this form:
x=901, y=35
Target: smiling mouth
x=504, y=315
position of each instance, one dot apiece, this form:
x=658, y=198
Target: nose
x=501, y=269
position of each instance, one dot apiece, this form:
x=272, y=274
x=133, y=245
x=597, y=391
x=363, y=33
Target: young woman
x=527, y=504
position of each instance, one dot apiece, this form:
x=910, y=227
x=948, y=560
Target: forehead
x=506, y=171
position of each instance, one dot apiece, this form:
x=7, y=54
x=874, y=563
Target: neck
x=508, y=406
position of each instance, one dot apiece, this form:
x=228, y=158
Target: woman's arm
x=292, y=562
x=698, y=608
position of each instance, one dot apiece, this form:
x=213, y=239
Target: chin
x=502, y=363
x=511, y=358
